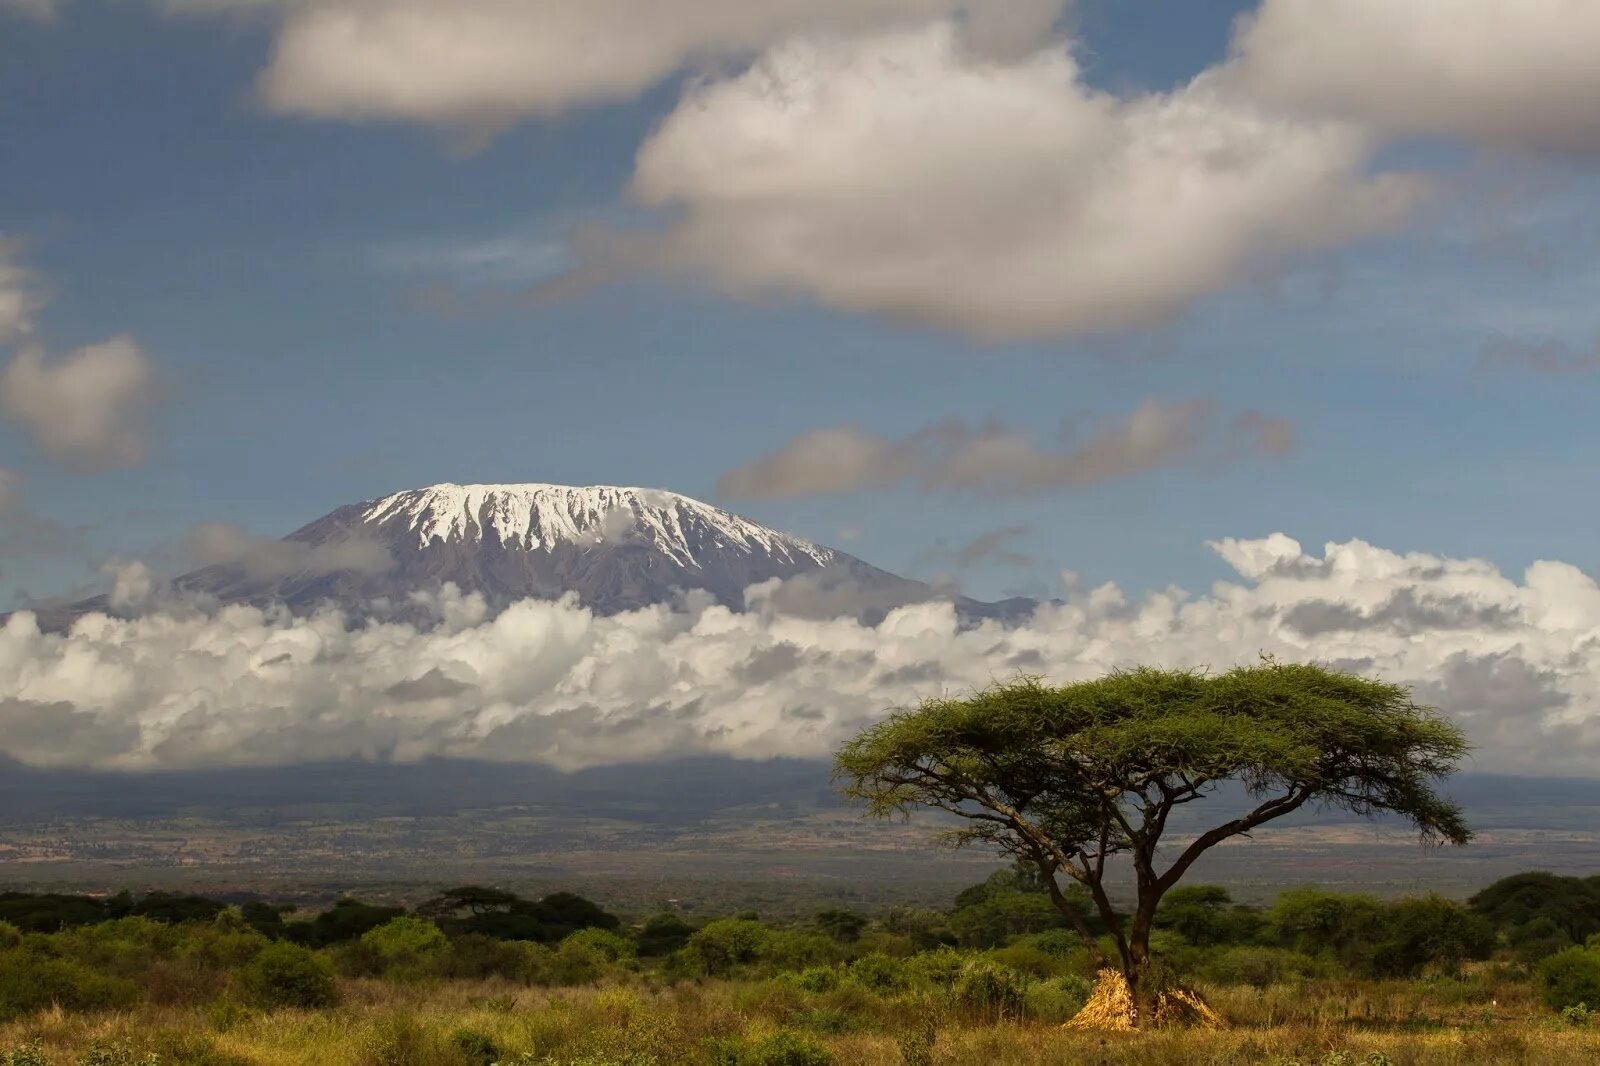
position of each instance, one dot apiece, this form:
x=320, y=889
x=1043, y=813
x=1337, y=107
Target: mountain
x=615, y=549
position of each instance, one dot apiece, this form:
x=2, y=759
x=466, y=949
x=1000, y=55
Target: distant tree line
x=1004, y=946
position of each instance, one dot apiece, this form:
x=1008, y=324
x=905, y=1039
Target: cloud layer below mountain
x=1517, y=661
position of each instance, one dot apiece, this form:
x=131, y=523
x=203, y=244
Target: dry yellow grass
x=639, y=1025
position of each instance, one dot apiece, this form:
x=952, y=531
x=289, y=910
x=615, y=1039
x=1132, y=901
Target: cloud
x=903, y=175
x=24, y=532
x=481, y=64
x=85, y=408
x=265, y=558
x=991, y=547
x=998, y=461
x=1553, y=358
x=1517, y=660
x=1517, y=74
x=821, y=461
x=38, y=10
x=20, y=295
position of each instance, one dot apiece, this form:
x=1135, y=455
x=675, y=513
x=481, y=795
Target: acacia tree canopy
x=1071, y=777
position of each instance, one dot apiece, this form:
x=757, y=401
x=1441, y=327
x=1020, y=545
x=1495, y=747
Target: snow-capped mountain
x=616, y=549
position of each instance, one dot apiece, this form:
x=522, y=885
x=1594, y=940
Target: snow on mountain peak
x=537, y=517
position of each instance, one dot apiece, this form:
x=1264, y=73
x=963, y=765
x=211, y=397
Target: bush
x=611, y=947
x=287, y=975
x=1432, y=932
x=728, y=942
x=474, y=956
x=117, y=1053
x=818, y=979
x=407, y=946
x=782, y=1048
x=880, y=973
x=347, y=919
x=29, y=1054
x=30, y=983
x=1256, y=966
x=575, y=962
x=1057, y=943
x=1569, y=978
x=991, y=991
x=226, y=943
x=10, y=936
x=940, y=968
x=1538, y=939
x=1027, y=958
x=792, y=950
x=1057, y=999
x=843, y=926
x=479, y=1049
x=663, y=934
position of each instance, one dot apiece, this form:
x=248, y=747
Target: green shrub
x=10, y=936
x=663, y=934
x=477, y=1048
x=1256, y=966
x=29, y=1054
x=880, y=973
x=990, y=990
x=575, y=962
x=1538, y=939
x=228, y=942
x=843, y=926
x=783, y=1048
x=288, y=975
x=1569, y=978
x=611, y=946
x=789, y=949
x=817, y=979
x=1057, y=943
x=728, y=942
x=1431, y=932
x=941, y=967
x=474, y=956
x=405, y=947
x=1579, y=1015
x=1057, y=999
x=30, y=983
x=1029, y=959
x=827, y=1020
x=117, y=1053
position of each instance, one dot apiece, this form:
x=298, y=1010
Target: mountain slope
x=615, y=549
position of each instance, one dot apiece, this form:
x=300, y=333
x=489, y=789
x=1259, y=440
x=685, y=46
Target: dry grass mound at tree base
x=1111, y=1008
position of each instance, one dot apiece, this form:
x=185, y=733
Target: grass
x=635, y=1021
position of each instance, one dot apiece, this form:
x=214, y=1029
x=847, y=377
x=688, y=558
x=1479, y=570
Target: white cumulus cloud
x=1514, y=73
x=87, y=407
x=996, y=460
x=1517, y=660
x=904, y=175
x=483, y=63
x=38, y=10
x=20, y=295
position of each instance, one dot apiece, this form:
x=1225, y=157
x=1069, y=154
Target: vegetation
x=1070, y=779
x=1314, y=979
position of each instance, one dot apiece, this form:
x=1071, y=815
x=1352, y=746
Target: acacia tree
x=1081, y=779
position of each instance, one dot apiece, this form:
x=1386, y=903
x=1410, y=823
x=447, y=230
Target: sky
x=1028, y=295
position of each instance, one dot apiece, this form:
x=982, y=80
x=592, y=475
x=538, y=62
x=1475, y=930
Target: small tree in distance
x=1071, y=778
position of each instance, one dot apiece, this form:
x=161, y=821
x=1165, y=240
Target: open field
x=1468, y=1023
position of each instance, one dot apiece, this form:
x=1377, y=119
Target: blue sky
x=274, y=267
